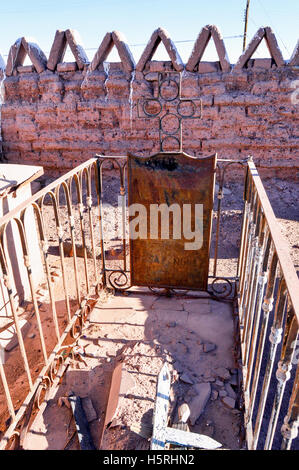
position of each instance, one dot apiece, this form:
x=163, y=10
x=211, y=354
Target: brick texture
x=62, y=115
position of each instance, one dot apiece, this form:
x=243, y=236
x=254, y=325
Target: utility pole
x=245, y=24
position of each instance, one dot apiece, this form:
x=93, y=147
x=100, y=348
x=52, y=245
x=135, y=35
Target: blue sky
x=138, y=18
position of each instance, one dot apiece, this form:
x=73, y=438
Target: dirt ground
x=142, y=331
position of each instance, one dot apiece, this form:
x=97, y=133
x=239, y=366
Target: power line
x=276, y=31
x=144, y=44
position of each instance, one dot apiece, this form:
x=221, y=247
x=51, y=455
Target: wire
x=144, y=44
x=276, y=31
x=257, y=52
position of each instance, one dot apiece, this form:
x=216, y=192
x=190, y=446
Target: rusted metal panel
x=171, y=178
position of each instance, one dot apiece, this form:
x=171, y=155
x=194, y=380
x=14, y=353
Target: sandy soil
x=143, y=331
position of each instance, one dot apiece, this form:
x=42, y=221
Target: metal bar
x=275, y=338
x=90, y=218
x=262, y=280
x=99, y=168
x=74, y=251
x=14, y=212
x=31, y=284
x=247, y=256
x=252, y=305
x=7, y=392
x=38, y=381
x=267, y=307
x=281, y=246
x=7, y=282
x=283, y=373
x=250, y=268
x=289, y=429
x=219, y=199
x=60, y=244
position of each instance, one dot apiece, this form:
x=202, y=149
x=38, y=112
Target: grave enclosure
x=112, y=297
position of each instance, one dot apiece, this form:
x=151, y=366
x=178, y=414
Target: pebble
x=55, y=273
x=218, y=384
x=185, y=377
x=198, y=403
x=171, y=324
x=231, y=393
x=234, y=379
x=208, y=347
x=229, y=402
x=222, y=373
x=178, y=366
x=209, y=379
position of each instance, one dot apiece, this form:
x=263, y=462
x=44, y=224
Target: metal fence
x=268, y=317
x=66, y=218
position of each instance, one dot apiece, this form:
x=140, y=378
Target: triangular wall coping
x=267, y=33
x=18, y=51
x=294, y=60
x=25, y=46
x=110, y=40
x=208, y=32
x=158, y=36
x=61, y=40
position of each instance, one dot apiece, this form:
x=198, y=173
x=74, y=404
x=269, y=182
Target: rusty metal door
x=178, y=184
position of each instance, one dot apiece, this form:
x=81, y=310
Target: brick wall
x=61, y=117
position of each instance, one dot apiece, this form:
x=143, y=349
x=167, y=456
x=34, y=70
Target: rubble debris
x=185, y=377
x=183, y=413
x=231, y=393
x=162, y=434
x=234, y=380
x=121, y=383
x=218, y=384
x=198, y=403
x=228, y=402
x=208, y=347
x=89, y=410
x=222, y=373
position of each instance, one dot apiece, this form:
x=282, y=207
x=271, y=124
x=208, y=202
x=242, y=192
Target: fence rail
x=268, y=318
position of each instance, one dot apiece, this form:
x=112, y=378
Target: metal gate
x=172, y=194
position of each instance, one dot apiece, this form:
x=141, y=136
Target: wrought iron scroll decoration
x=223, y=287
x=163, y=111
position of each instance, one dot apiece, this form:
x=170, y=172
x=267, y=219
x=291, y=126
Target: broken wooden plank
x=160, y=419
x=163, y=434
x=82, y=426
x=179, y=437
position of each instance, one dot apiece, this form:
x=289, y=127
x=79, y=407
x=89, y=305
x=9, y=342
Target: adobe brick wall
x=63, y=117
